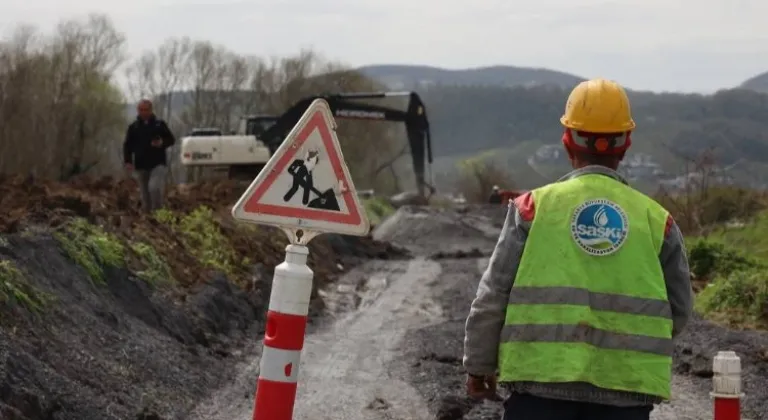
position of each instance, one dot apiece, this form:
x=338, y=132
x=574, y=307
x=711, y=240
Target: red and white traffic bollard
x=284, y=336
x=726, y=386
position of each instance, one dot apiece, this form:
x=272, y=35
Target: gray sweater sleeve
x=488, y=310
x=677, y=275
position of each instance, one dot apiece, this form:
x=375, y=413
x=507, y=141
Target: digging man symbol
x=301, y=171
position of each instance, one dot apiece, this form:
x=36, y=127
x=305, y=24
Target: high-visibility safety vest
x=589, y=302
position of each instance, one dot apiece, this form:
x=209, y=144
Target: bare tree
x=171, y=59
x=700, y=197
x=59, y=105
x=142, y=77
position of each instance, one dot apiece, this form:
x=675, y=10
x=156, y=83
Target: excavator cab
x=256, y=125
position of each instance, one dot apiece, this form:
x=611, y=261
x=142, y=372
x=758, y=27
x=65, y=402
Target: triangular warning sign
x=306, y=184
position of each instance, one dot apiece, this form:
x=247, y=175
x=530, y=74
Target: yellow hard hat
x=598, y=106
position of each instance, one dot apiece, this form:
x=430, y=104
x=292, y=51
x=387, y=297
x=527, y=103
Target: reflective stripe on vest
x=575, y=316
x=597, y=303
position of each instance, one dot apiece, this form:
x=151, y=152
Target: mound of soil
x=26, y=200
x=443, y=231
x=114, y=204
x=115, y=350
x=127, y=349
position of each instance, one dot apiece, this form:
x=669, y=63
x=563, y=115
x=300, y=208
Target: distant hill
x=521, y=125
x=758, y=83
x=420, y=77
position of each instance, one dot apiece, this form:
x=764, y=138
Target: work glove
x=483, y=387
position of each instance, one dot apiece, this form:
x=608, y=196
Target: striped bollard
x=726, y=386
x=284, y=337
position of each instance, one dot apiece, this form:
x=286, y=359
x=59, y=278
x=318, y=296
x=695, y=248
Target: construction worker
x=495, y=197
x=146, y=140
x=587, y=286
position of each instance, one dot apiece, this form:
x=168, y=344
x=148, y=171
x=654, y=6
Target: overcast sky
x=673, y=45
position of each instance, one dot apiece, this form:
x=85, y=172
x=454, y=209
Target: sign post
x=305, y=189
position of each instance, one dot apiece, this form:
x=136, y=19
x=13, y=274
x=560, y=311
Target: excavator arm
x=346, y=106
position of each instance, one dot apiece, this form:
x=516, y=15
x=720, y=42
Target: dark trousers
x=528, y=407
x=152, y=187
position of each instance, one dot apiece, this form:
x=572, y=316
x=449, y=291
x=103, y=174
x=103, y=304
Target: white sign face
x=306, y=184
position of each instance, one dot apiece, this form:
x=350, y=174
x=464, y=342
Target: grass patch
x=377, y=209
x=15, y=290
x=203, y=238
x=91, y=247
x=750, y=236
x=155, y=271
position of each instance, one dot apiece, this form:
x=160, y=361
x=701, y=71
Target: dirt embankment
x=106, y=313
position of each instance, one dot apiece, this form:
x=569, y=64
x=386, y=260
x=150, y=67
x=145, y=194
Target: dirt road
x=391, y=348
x=344, y=364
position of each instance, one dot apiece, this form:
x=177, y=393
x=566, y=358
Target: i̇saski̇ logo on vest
x=599, y=227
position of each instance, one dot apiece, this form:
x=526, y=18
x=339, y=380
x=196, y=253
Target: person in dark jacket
x=495, y=197
x=146, y=140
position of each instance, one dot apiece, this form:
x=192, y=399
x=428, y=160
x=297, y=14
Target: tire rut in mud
x=344, y=368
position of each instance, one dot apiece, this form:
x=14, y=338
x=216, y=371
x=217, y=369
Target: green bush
x=739, y=298
x=711, y=258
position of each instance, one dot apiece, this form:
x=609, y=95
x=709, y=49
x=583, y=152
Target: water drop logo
x=599, y=227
